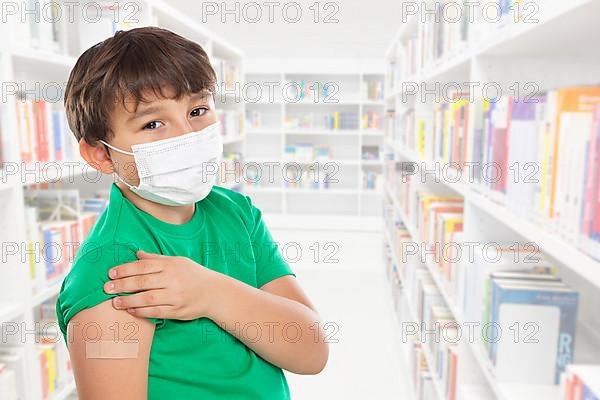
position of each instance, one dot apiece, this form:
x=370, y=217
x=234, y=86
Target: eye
x=153, y=125
x=198, y=112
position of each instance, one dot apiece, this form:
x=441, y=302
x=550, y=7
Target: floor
x=352, y=295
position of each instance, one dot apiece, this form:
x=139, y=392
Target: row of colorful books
x=310, y=179
x=442, y=33
x=231, y=168
x=308, y=152
x=370, y=152
x=232, y=123
x=372, y=120
x=421, y=377
x=310, y=91
x=228, y=75
x=43, y=132
x=454, y=378
x=53, y=360
x=372, y=181
x=372, y=90
x=55, y=365
x=404, y=64
x=445, y=29
x=416, y=295
x=254, y=119
x=512, y=284
x=331, y=121
x=12, y=372
x=54, y=231
x=540, y=153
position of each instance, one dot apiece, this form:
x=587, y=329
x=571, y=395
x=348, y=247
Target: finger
x=165, y=312
x=135, y=268
x=142, y=255
x=156, y=297
x=134, y=284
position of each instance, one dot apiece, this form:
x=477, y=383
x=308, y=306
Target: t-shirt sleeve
x=270, y=264
x=83, y=287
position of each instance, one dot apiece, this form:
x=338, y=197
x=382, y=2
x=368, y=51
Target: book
x=580, y=382
x=522, y=154
x=477, y=273
x=523, y=148
x=372, y=90
x=43, y=132
x=14, y=360
x=574, y=112
x=547, y=312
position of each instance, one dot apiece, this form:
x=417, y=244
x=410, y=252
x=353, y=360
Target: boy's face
x=154, y=120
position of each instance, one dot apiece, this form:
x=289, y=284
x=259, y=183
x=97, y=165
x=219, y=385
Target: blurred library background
x=430, y=170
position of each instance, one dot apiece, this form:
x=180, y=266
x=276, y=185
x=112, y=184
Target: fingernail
x=110, y=286
x=113, y=273
x=118, y=302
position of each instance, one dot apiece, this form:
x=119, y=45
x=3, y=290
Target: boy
x=202, y=305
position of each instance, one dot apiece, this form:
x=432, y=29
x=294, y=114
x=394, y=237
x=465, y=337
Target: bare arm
x=110, y=378
x=297, y=343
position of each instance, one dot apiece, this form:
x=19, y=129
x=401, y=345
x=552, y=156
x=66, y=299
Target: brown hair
x=132, y=63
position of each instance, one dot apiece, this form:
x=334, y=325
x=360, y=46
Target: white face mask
x=177, y=171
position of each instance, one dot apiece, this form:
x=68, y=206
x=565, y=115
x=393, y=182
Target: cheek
x=126, y=169
x=201, y=123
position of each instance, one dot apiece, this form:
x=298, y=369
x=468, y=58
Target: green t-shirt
x=188, y=359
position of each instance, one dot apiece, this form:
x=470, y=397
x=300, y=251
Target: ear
x=96, y=156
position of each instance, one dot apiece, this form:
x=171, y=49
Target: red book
x=595, y=189
x=41, y=130
x=452, y=373
x=500, y=143
x=590, y=176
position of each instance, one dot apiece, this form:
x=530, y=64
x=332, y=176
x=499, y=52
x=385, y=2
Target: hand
x=166, y=287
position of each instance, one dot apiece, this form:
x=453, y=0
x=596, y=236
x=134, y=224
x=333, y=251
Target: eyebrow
x=203, y=95
x=142, y=113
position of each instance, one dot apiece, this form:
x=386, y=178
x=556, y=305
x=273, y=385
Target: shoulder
x=232, y=204
x=83, y=286
x=222, y=195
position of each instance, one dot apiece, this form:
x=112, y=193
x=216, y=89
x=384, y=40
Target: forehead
x=129, y=103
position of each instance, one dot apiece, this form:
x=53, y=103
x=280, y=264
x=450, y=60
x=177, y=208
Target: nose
x=182, y=126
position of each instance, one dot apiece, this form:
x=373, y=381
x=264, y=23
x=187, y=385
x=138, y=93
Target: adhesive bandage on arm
x=111, y=349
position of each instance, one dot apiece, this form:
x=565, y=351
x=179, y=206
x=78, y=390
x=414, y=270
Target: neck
x=171, y=214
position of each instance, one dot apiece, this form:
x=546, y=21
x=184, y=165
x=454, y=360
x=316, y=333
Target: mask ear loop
x=115, y=149
x=123, y=152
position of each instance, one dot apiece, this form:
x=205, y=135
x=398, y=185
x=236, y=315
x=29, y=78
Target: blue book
x=588, y=394
x=522, y=277
x=546, y=313
x=51, y=251
x=58, y=135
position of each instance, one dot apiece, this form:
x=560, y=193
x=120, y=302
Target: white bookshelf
x=554, y=52
x=28, y=65
x=267, y=141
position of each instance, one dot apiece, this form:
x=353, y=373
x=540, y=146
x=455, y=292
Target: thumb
x=142, y=255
